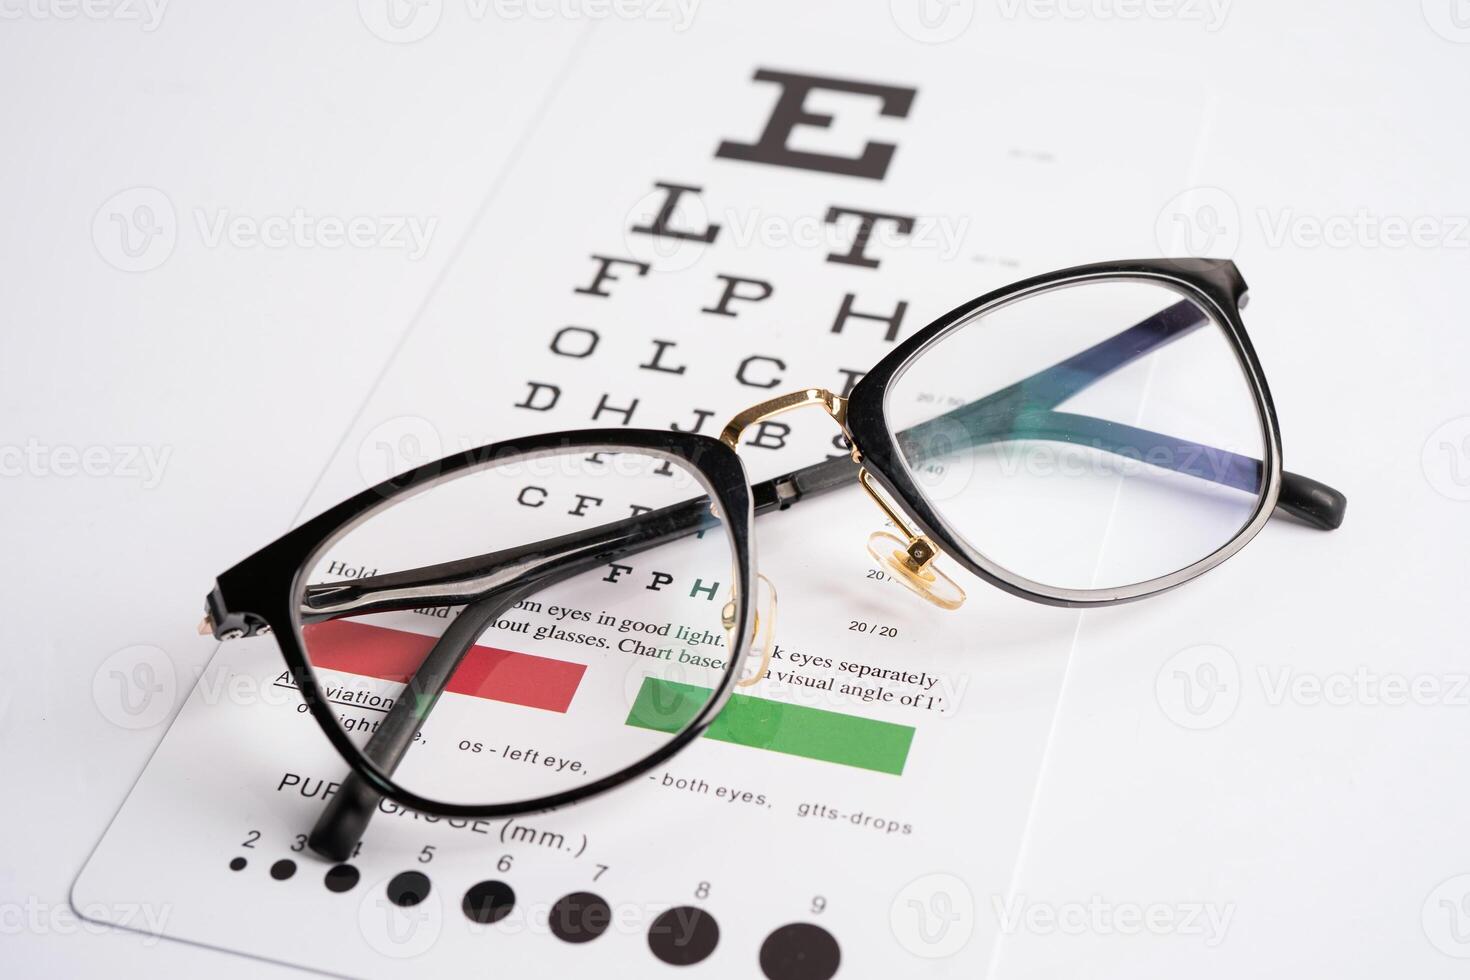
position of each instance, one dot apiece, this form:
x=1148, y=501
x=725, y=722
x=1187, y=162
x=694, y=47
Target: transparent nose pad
x=913, y=565
x=763, y=638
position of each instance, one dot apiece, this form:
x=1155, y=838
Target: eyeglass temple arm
x=1023, y=409
x=995, y=418
x=1303, y=498
x=346, y=815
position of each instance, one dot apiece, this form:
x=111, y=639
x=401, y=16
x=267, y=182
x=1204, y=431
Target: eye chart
x=703, y=221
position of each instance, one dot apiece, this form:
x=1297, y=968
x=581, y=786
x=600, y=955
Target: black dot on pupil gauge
x=800, y=951
x=579, y=917
x=341, y=878
x=283, y=869
x=408, y=888
x=238, y=864
x=489, y=901
x=683, y=936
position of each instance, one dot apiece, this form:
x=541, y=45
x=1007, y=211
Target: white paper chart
x=698, y=224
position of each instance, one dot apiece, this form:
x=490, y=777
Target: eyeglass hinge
x=222, y=624
x=788, y=492
x=778, y=494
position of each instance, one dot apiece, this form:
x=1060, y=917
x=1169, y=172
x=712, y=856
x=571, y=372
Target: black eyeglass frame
x=250, y=598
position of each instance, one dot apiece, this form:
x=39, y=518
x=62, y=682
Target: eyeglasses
x=574, y=608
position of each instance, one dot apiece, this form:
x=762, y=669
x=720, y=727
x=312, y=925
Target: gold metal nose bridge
x=835, y=405
x=911, y=563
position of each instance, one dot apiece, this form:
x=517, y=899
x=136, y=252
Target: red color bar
x=485, y=672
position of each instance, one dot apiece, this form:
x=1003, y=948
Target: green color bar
x=794, y=729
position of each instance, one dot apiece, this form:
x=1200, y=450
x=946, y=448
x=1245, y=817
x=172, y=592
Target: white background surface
x=1324, y=828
